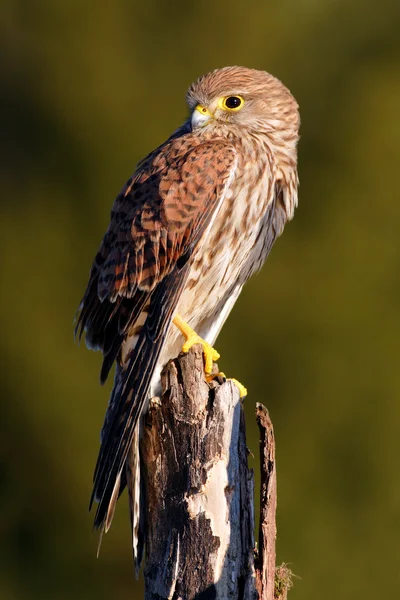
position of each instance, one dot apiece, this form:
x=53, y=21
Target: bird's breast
x=232, y=244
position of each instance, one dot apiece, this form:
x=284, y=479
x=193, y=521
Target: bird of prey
x=197, y=218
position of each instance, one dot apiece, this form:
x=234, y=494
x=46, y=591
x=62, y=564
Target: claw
x=240, y=386
x=213, y=376
x=210, y=354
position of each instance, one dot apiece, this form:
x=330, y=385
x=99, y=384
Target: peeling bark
x=199, y=492
x=267, y=531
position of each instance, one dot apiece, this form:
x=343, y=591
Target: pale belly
x=230, y=251
x=226, y=258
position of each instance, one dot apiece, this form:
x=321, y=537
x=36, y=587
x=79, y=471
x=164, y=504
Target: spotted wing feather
x=156, y=224
x=149, y=231
x=155, y=221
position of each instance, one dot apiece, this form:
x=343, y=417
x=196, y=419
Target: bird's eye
x=232, y=102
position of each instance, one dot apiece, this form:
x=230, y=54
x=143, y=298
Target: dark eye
x=233, y=102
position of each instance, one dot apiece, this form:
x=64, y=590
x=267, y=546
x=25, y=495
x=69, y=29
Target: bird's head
x=237, y=100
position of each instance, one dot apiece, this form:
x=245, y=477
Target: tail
x=118, y=462
x=134, y=482
x=137, y=499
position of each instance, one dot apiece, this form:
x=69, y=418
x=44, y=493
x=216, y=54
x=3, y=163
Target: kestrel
x=194, y=222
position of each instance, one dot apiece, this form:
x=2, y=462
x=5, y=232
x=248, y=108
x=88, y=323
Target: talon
x=210, y=354
x=240, y=386
x=213, y=376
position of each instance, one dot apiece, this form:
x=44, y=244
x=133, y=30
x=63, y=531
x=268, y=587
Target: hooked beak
x=200, y=116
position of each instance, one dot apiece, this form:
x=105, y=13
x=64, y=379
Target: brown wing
x=156, y=223
x=160, y=213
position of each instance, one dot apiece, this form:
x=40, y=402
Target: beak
x=200, y=116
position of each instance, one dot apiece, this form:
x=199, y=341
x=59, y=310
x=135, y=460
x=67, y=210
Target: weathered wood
x=272, y=583
x=199, y=492
x=199, y=540
x=265, y=564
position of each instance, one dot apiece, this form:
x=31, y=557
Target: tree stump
x=199, y=492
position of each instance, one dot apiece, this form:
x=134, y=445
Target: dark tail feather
x=137, y=501
x=131, y=389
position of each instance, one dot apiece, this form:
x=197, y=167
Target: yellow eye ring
x=231, y=103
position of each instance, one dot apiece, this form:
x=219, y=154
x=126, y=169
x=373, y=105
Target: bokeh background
x=87, y=89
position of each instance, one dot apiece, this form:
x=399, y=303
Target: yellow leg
x=210, y=355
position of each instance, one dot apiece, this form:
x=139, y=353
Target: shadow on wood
x=199, y=492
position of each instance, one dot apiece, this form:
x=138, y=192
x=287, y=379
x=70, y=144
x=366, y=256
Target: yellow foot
x=210, y=355
x=241, y=388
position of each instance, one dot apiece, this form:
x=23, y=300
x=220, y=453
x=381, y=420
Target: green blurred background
x=88, y=88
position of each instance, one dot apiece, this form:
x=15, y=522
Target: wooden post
x=199, y=492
